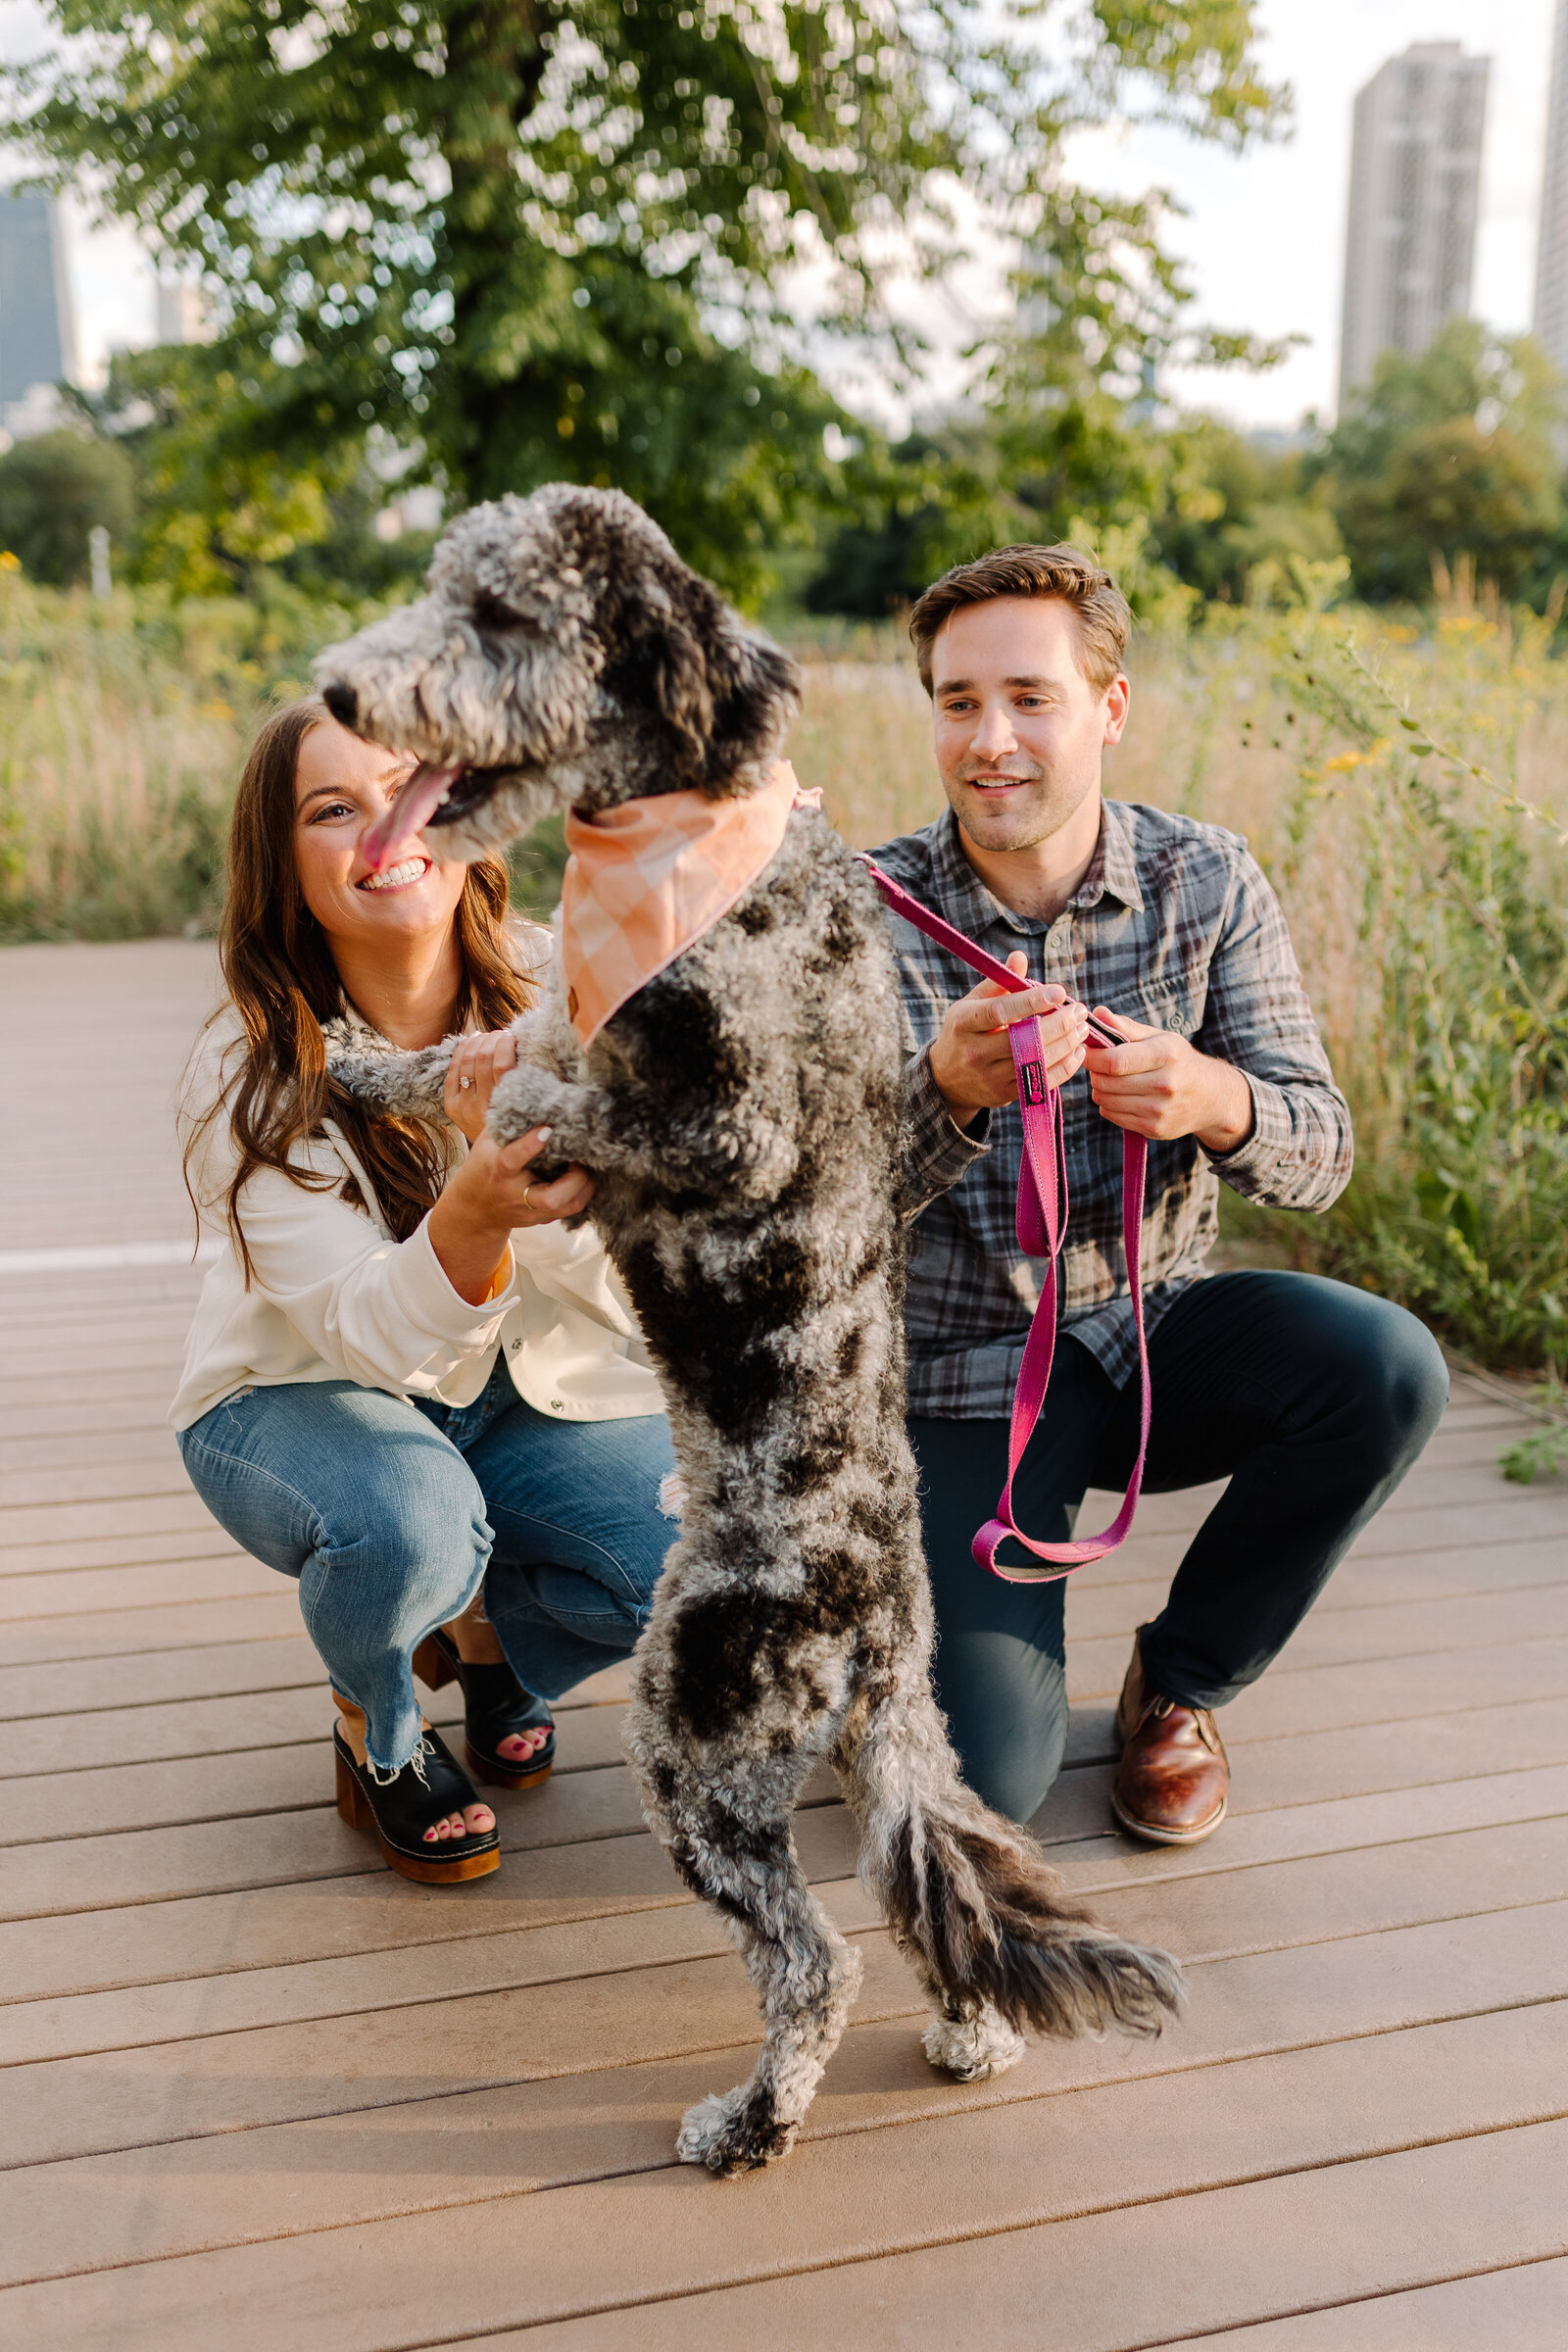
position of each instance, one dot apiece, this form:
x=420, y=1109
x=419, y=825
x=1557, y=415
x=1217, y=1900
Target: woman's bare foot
x=473, y=1818
x=479, y=1645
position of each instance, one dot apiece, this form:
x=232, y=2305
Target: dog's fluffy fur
x=741, y=1114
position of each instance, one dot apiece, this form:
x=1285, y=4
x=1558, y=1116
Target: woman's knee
x=417, y=1545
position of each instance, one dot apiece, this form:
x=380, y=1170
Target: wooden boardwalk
x=260, y=2091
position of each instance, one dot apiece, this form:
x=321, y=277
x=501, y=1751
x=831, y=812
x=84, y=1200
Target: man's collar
x=1113, y=872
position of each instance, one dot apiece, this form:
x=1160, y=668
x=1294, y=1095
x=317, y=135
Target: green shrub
x=53, y=491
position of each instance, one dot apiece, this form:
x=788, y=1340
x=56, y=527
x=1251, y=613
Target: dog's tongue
x=407, y=813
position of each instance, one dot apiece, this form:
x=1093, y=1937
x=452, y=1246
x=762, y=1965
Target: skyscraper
x=38, y=326
x=1551, y=323
x=1415, y=187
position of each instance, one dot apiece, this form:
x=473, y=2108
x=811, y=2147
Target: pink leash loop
x=1042, y=1226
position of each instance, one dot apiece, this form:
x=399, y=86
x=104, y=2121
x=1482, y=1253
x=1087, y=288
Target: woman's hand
x=470, y=1080
x=486, y=1198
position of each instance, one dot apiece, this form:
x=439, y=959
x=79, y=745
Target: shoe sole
x=1146, y=1830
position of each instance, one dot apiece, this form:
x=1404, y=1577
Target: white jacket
x=333, y=1296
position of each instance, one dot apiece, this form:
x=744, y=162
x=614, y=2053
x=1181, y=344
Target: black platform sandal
x=495, y=1705
x=430, y=1786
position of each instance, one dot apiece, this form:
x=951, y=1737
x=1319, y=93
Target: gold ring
x=527, y=1191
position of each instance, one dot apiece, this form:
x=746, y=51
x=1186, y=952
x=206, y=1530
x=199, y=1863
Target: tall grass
x=122, y=724
x=1394, y=785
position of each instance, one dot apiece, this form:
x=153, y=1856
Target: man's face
x=1018, y=728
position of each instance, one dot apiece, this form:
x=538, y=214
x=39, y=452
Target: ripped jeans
x=391, y=1515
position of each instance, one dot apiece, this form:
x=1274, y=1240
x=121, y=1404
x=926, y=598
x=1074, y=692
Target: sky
x=1264, y=233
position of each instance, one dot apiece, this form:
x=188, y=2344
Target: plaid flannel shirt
x=1176, y=926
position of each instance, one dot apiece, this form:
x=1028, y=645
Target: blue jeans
x=392, y=1517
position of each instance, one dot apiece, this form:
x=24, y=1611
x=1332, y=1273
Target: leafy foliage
x=1455, y=1049
x=532, y=238
x=54, y=490
x=1445, y=456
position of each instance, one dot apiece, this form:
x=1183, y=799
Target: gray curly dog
x=741, y=1113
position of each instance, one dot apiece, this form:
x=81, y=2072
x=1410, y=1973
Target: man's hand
x=1159, y=1086
x=971, y=1059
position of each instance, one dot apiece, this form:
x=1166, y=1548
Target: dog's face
x=564, y=657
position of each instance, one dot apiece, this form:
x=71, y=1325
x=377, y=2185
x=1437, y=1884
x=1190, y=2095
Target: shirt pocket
x=1176, y=1000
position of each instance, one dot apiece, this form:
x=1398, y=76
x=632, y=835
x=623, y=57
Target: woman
x=407, y=1385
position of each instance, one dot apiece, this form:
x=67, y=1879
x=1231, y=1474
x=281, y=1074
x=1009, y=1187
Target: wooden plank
x=57, y=1485
x=1103, y=1607
x=697, y=2002
x=254, y=1724
x=166, y=2179
x=144, y=1633
x=370, y=1911
x=48, y=1525
x=85, y=1592
x=1521, y=2307
x=520, y=2260
x=1122, y=2281
x=1348, y=1637
x=243, y=1779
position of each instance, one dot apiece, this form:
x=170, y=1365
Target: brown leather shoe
x=1173, y=1781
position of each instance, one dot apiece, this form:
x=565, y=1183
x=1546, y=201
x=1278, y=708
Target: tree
x=521, y=239
x=53, y=491
x=1447, y=455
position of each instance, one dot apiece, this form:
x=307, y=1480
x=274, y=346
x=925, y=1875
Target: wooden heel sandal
x=430, y=1786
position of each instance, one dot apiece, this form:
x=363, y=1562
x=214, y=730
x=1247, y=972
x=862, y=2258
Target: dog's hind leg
x=988, y=1925
x=741, y=1858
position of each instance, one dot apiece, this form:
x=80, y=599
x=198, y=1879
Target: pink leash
x=1042, y=1225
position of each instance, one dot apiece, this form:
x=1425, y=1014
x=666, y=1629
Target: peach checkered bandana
x=648, y=878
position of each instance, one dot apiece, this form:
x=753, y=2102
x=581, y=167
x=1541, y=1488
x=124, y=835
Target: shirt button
x=556, y=1406
x=516, y=1346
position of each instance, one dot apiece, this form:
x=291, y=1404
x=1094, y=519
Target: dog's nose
x=342, y=701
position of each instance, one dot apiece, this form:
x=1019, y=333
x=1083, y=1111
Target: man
x=1312, y=1398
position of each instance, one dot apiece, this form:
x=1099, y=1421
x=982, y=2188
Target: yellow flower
x=9, y=562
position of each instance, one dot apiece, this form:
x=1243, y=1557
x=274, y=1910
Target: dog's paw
x=971, y=2049
x=729, y=2133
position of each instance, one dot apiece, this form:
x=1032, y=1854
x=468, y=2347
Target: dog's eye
x=490, y=613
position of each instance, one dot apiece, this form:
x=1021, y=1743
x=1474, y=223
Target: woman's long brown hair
x=283, y=984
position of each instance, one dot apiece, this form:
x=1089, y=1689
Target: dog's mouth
x=431, y=797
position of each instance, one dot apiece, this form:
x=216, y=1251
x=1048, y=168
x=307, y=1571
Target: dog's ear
x=678, y=652
x=756, y=690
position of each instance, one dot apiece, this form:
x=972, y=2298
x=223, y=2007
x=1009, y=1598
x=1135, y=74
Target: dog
x=741, y=1114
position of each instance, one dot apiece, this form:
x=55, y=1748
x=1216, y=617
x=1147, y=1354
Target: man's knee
x=1390, y=1369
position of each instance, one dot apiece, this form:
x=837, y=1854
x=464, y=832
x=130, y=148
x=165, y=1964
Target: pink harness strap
x=1042, y=1225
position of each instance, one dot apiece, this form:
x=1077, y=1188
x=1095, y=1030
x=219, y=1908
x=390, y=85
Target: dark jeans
x=1312, y=1398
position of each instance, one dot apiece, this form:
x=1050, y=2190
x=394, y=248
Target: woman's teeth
x=413, y=869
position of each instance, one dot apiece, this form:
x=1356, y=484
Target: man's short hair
x=1064, y=572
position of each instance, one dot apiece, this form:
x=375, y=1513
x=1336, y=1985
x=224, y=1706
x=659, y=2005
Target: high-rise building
x=1416, y=188
x=181, y=314
x=1550, y=322
x=38, y=326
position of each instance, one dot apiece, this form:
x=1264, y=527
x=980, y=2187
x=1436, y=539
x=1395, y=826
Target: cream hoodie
x=333, y=1296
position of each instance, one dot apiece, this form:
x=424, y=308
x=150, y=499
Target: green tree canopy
x=521, y=239
x=1452, y=455
x=54, y=490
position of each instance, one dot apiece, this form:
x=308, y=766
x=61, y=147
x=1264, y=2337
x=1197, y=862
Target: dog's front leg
x=628, y=1132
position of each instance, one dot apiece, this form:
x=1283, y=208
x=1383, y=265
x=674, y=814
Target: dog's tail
x=973, y=1901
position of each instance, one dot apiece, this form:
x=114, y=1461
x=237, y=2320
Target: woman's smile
x=402, y=876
